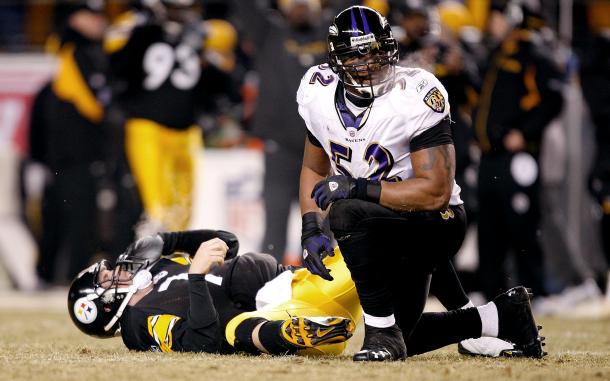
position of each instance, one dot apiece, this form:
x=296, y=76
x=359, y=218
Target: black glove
x=339, y=187
x=316, y=245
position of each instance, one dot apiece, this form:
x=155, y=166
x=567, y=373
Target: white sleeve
x=431, y=104
x=304, y=96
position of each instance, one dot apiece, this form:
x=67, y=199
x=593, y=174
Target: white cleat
x=488, y=347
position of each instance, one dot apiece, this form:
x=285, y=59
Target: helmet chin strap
x=141, y=280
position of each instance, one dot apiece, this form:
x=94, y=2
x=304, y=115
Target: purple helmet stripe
x=354, y=24
x=364, y=22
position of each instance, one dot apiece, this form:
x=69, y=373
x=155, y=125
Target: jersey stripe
x=160, y=329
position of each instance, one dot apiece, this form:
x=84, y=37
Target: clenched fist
x=210, y=254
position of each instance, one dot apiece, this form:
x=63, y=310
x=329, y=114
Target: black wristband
x=310, y=225
x=368, y=190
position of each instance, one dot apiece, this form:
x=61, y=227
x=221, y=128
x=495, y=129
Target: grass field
x=38, y=342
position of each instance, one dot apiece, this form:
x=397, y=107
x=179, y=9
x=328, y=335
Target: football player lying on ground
x=162, y=301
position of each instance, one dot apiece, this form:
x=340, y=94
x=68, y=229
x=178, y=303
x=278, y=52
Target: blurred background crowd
x=106, y=108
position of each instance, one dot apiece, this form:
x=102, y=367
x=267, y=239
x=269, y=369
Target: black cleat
x=307, y=332
x=382, y=344
x=516, y=322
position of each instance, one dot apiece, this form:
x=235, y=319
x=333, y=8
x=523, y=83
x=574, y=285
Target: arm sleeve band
x=435, y=136
x=189, y=241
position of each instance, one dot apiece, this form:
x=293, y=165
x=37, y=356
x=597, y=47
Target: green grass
x=37, y=344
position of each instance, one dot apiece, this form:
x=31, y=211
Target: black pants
x=246, y=274
x=69, y=225
x=76, y=229
x=392, y=255
x=509, y=219
x=281, y=189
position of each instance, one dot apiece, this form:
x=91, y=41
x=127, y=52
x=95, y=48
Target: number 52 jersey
x=373, y=142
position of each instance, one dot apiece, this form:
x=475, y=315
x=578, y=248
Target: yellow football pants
x=163, y=162
x=313, y=296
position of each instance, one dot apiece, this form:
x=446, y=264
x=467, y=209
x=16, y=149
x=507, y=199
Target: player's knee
x=346, y=215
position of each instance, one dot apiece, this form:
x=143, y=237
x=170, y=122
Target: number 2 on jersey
x=374, y=154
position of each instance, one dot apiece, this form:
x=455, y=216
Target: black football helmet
x=95, y=306
x=92, y=307
x=173, y=11
x=363, y=51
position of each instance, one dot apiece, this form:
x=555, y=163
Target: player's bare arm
x=315, y=168
x=434, y=170
x=315, y=243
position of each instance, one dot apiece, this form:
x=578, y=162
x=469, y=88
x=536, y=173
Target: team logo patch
x=447, y=214
x=435, y=100
x=85, y=311
x=333, y=186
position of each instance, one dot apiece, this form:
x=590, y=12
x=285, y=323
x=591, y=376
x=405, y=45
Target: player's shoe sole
x=307, y=332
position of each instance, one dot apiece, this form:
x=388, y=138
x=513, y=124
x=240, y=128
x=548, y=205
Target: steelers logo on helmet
x=363, y=51
x=85, y=311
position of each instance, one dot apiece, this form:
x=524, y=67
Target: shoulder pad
x=423, y=85
x=120, y=31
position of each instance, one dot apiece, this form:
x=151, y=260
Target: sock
x=243, y=335
x=271, y=338
x=379, y=321
x=489, y=319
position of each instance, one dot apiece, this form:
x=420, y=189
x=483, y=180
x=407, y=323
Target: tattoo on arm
x=430, y=160
x=444, y=153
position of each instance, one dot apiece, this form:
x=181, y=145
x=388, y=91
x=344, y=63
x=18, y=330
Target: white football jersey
x=376, y=143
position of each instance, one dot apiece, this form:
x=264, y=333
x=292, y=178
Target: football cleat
x=382, y=344
x=307, y=332
x=516, y=322
x=488, y=347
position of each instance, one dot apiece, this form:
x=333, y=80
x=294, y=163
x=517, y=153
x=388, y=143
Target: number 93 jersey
x=158, y=75
x=373, y=142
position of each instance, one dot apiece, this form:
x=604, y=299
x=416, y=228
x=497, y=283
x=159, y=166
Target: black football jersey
x=156, y=77
x=187, y=312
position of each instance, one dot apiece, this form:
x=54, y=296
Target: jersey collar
x=347, y=118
